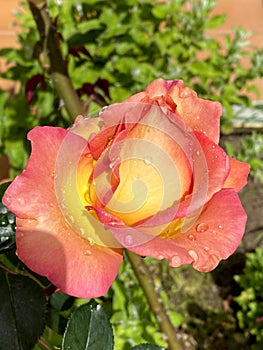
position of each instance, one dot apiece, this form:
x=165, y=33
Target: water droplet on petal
x=213, y=146
x=82, y=231
x=71, y=218
x=193, y=255
x=191, y=237
x=148, y=160
x=8, y=200
x=160, y=257
x=21, y=201
x=87, y=252
x=220, y=227
x=128, y=240
x=206, y=249
x=186, y=92
x=202, y=227
x=197, y=153
x=176, y=261
x=91, y=241
x=216, y=157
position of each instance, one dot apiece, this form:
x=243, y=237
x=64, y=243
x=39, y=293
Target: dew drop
x=8, y=200
x=148, y=160
x=176, y=261
x=71, y=218
x=197, y=117
x=82, y=231
x=185, y=93
x=191, y=237
x=21, y=201
x=213, y=146
x=202, y=227
x=128, y=240
x=206, y=249
x=193, y=255
x=87, y=252
x=160, y=257
x=197, y=153
x=216, y=157
x=220, y=227
x=91, y=241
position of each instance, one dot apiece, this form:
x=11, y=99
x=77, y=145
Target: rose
x=147, y=175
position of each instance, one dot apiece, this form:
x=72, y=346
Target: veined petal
x=213, y=237
x=46, y=243
x=199, y=114
x=237, y=177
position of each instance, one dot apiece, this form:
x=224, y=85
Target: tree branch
x=51, y=60
x=145, y=279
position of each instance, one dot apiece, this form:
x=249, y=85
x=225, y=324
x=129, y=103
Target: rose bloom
x=147, y=175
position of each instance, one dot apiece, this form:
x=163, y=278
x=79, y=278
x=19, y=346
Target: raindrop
x=193, y=254
x=87, y=252
x=220, y=227
x=71, y=218
x=91, y=241
x=206, y=249
x=201, y=227
x=197, y=117
x=21, y=201
x=148, y=160
x=82, y=231
x=160, y=257
x=213, y=146
x=176, y=261
x=191, y=237
x=185, y=93
x=216, y=156
x=197, y=153
x=103, y=109
x=128, y=240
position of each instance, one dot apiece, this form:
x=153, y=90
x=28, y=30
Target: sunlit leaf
x=88, y=329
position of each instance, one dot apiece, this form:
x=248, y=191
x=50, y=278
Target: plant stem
x=51, y=59
x=145, y=279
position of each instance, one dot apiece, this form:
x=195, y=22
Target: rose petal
x=70, y=262
x=45, y=241
x=214, y=236
x=237, y=177
x=199, y=114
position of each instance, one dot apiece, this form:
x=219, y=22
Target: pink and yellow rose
x=147, y=175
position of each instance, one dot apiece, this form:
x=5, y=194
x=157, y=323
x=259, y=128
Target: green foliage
x=132, y=320
x=250, y=315
x=251, y=151
x=89, y=329
x=22, y=305
x=7, y=224
x=114, y=49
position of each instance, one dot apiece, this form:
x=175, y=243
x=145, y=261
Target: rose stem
x=145, y=279
x=51, y=60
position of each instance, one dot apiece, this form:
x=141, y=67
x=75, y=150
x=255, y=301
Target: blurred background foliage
x=114, y=49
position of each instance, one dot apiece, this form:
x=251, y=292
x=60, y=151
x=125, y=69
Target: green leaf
x=88, y=329
x=22, y=305
x=147, y=347
x=7, y=224
x=215, y=21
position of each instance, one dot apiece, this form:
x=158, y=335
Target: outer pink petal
x=199, y=114
x=237, y=177
x=215, y=235
x=45, y=242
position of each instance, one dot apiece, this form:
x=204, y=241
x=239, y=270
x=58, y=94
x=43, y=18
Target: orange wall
x=245, y=13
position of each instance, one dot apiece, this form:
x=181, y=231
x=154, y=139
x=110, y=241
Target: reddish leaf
x=76, y=50
x=32, y=84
